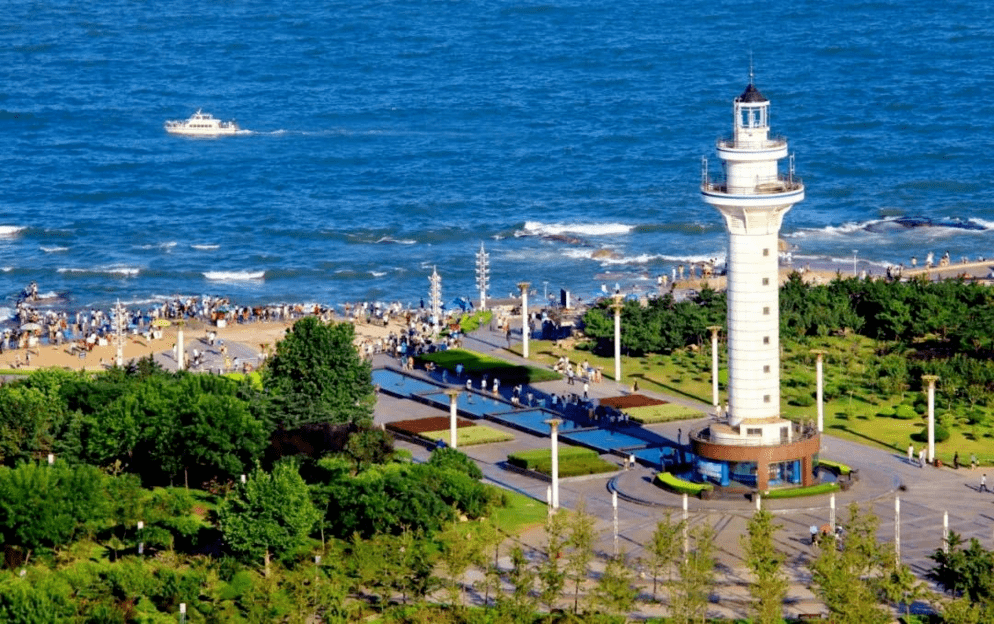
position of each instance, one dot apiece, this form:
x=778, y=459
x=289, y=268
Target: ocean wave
x=7, y=231
x=897, y=224
x=118, y=271
x=234, y=276
x=398, y=241
x=377, y=273
x=166, y=245
x=53, y=249
x=205, y=247
x=537, y=228
x=6, y=313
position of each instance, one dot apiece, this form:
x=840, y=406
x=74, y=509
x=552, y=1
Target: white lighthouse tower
x=753, y=198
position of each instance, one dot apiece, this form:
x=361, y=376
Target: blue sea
x=382, y=139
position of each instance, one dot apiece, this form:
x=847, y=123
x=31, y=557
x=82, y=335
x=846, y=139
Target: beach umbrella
x=161, y=323
x=30, y=327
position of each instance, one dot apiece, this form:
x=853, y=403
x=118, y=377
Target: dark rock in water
x=920, y=222
x=562, y=238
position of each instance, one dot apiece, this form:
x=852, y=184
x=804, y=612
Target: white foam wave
x=205, y=247
x=6, y=313
x=537, y=228
x=377, y=273
x=53, y=249
x=122, y=271
x=234, y=276
x=166, y=245
x=7, y=231
x=398, y=241
x=833, y=230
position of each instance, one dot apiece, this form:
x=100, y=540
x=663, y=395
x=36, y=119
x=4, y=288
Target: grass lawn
x=522, y=512
x=476, y=364
x=662, y=413
x=468, y=436
x=854, y=416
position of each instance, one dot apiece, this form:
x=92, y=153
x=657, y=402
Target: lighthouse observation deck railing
x=799, y=432
x=769, y=143
x=782, y=184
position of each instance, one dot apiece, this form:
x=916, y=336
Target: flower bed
x=652, y=414
x=468, y=436
x=821, y=488
x=418, y=426
x=631, y=400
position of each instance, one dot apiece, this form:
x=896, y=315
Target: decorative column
x=483, y=275
x=554, y=423
x=614, y=505
x=831, y=512
x=180, y=354
x=821, y=392
x=897, y=530
x=435, y=294
x=616, y=306
x=453, y=415
x=930, y=380
x=119, y=329
x=524, y=322
x=945, y=532
x=714, y=365
x=686, y=527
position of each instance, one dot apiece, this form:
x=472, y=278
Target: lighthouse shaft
x=753, y=198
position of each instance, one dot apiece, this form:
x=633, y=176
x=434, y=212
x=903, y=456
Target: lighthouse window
x=766, y=398
x=766, y=251
x=766, y=310
x=766, y=281
x=754, y=432
x=766, y=340
x=766, y=368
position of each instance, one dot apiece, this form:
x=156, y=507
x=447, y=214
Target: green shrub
x=451, y=459
x=837, y=467
x=662, y=413
x=941, y=434
x=905, y=412
x=802, y=399
x=577, y=466
x=887, y=412
x=811, y=490
x=678, y=485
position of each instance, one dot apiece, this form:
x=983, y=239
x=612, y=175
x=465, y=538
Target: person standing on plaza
x=983, y=484
x=911, y=453
x=921, y=458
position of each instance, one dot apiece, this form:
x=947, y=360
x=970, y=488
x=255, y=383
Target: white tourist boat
x=201, y=124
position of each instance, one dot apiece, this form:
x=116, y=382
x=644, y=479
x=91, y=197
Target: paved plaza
x=925, y=495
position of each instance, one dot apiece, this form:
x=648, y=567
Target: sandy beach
x=246, y=339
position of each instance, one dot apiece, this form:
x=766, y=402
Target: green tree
x=317, y=374
x=44, y=506
x=848, y=577
x=580, y=538
x=615, y=591
x=551, y=575
x=769, y=585
x=664, y=548
x=965, y=571
x=519, y=604
x=270, y=512
x=695, y=577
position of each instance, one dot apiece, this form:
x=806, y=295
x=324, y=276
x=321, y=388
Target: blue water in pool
x=397, y=383
x=605, y=440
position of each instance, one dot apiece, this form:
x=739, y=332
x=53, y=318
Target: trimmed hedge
x=678, y=485
x=837, y=467
x=476, y=364
x=529, y=459
x=468, y=436
x=812, y=490
x=652, y=414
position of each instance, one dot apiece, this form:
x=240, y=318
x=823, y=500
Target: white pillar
x=686, y=528
x=945, y=532
x=453, y=416
x=831, y=513
x=714, y=366
x=179, y=346
x=554, y=423
x=821, y=396
x=614, y=504
x=759, y=502
x=931, y=420
x=617, y=337
x=897, y=529
x=524, y=320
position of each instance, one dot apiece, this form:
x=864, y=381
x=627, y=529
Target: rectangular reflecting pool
x=605, y=440
x=401, y=385
x=532, y=420
x=478, y=405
